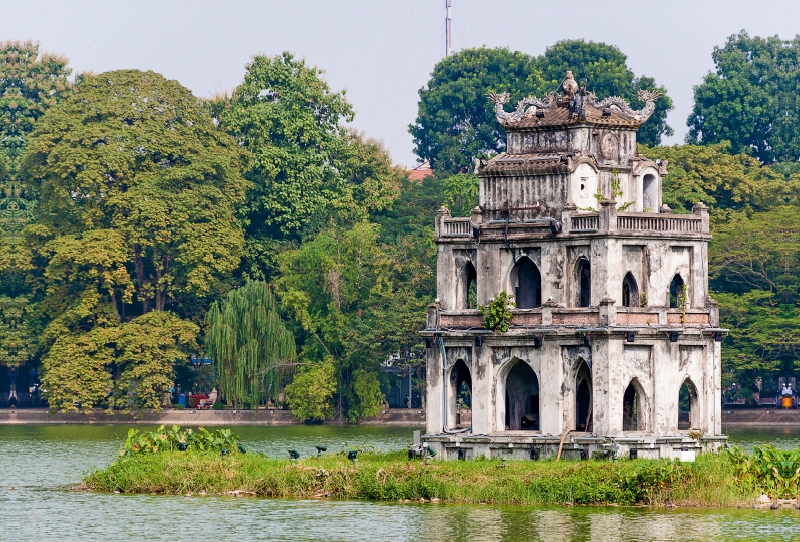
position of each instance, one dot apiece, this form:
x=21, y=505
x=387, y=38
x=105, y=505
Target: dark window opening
x=630, y=409
x=583, y=399
x=688, y=413
x=677, y=291
x=630, y=292
x=522, y=398
x=527, y=283
x=461, y=395
x=584, y=283
x=468, y=294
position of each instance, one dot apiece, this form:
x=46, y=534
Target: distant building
x=613, y=315
x=420, y=172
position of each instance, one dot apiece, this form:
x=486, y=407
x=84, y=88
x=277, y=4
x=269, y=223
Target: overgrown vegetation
x=767, y=470
x=162, y=440
x=709, y=481
x=497, y=314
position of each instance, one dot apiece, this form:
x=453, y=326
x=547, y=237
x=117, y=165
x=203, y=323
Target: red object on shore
x=198, y=401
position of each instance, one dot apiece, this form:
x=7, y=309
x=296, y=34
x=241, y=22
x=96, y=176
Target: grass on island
x=709, y=481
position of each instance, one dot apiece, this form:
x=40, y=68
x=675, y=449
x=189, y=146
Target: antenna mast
x=447, y=27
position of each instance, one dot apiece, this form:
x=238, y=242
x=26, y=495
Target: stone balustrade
x=606, y=315
x=608, y=219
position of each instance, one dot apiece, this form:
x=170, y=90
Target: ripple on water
x=40, y=460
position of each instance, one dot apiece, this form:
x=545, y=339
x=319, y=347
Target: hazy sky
x=382, y=52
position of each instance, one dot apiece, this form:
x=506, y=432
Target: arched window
x=459, y=392
x=527, y=283
x=677, y=293
x=630, y=291
x=468, y=291
x=688, y=410
x=650, y=194
x=522, y=398
x=584, y=282
x=583, y=398
x=632, y=415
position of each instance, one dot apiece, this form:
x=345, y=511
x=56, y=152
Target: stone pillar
x=608, y=313
x=433, y=403
x=608, y=215
x=566, y=216
x=482, y=374
x=701, y=209
x=442, y=214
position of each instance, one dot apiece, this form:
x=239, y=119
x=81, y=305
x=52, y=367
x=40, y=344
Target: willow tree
x=249, y=344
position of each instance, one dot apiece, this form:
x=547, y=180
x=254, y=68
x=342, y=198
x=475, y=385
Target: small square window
x=584, y=184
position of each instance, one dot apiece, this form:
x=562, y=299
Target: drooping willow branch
x=249, y=344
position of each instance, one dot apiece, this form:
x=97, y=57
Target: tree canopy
x=136, y=216
x=249, y=344
x=751, y=98
x=456, y=122
x=132, y=155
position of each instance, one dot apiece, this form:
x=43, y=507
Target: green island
x=184, y=462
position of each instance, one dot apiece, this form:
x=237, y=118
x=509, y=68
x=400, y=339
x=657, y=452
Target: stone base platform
x=525, y=445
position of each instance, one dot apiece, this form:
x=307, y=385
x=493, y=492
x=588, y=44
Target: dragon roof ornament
x=649, y=97
x=526, y=107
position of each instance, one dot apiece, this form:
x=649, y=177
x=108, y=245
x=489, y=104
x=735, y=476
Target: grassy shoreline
x=709, y=482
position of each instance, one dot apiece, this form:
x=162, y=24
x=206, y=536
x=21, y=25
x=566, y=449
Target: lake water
x=41, y=461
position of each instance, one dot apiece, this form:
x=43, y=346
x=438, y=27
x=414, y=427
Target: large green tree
x=456, y=122
x=305, y=167
x=721, y=179
x=136, y=216
x=30, y=83
x=342, y=288
x=751, y=98
x=249, y=344
x=605, y=71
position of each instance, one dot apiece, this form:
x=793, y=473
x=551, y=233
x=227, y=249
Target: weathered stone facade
x=613, y=310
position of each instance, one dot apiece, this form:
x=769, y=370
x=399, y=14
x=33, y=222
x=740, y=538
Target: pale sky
x=382, y=52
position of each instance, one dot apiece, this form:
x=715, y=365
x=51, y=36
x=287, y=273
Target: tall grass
x=709, y=481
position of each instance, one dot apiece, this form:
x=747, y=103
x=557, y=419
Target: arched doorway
x=527, y=283
x=584, y=282
x=633, y=408
x=688, y=410
x=522, y=398
x=459, y=394
x=630, y=291
x=677, y=292
x=467, y=291
x=583, y=398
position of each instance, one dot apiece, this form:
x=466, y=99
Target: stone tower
x=612, y=311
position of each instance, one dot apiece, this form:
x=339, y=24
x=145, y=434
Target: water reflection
x=39, y=459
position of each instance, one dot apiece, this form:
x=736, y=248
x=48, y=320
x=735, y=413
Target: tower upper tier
x=570, y=149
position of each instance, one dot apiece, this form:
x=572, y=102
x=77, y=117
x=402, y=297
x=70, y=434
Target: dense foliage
x=162, y=440
x=30, y=83
x=708, y=481
x=456, y=122
x=751, y=99
x=137, y=190
x=250, y=345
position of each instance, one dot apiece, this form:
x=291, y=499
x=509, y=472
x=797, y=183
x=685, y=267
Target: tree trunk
x=138, y=264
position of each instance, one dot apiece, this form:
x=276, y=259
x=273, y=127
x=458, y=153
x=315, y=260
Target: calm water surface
x=40, y=461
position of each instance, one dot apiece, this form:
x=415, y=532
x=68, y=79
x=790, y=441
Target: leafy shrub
x=768, y=470
x=496, y=315
x=178, y=406
x=163, y=440
x=216, y=406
